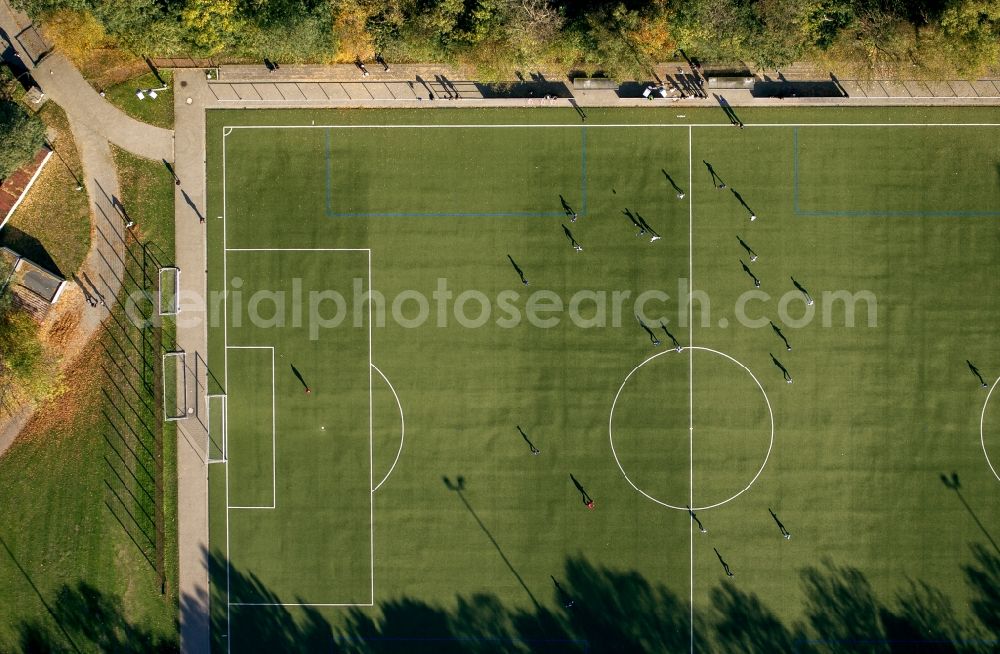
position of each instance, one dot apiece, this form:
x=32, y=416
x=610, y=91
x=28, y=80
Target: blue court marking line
x=472, y=214
x=499, y=214
x=329, y=175
x=810, y=643
x=869, y=213
x=795, y=169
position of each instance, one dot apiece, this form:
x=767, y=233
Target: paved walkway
x=192, y=338
x=62, y=82
x=103, y=264
x=417, y=85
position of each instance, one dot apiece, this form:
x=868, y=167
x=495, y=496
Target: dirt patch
x=59, y=328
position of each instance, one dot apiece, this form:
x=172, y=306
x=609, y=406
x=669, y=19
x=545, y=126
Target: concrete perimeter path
x=192, y=338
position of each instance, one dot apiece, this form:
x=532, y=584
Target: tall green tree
x=782, y=31
x=719, y=30
x=142, y=26
x=971, y=35
x=877, y=44
x=211, y=25
x=611, y=43
x=22, y=134
x=500, y=36
x=289, y=30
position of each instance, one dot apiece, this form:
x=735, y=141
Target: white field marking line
x=371, y=437
x=606, y=125
x=691, y=378
x=612, y=439
x=274, y=429
x=293, y=604
x=225, y=277
x=298, y=250
x=225, y=356
x=228, y=567
x=208, y=409
x=225, y=324
x=982, y=432
x=869, y=100
x=402, y=427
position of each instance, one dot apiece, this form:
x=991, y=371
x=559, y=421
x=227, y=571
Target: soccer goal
x=169, y=291
x=215, y=451
x=174, y=386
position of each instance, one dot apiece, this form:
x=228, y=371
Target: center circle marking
x=770, y=445
x=982, y=429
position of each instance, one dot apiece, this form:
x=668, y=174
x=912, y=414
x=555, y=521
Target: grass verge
x=89, y=563
x=158, y=111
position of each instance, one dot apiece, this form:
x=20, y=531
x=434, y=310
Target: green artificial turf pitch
x=461, y=543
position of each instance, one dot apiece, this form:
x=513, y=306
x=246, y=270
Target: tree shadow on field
x=841, y=605
x=984, y=578
x=88, y=621
x=620, y=611
x=613, y=611
x=744, y=624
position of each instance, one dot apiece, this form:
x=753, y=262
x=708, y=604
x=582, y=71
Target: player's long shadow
x=955, y=484
x=458, y=487
x=298, y=375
